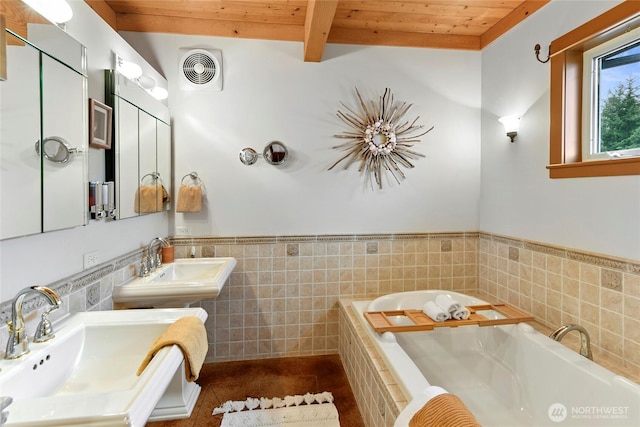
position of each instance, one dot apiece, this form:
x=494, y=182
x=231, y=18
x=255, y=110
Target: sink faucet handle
x=11, y=328
x=145, y=265
x=44, y=330
x=4, y=402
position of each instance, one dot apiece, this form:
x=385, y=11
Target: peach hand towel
x=148, y=199
x=444, y=410
x=189, y=198
x=190, y=335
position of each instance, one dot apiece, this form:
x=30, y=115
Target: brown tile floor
x=270, y=378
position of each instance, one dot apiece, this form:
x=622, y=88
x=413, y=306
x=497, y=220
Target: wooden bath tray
x=380, y=322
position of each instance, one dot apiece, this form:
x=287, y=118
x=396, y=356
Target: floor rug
x=309, y=410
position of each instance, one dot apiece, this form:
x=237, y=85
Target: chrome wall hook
x=537, y=51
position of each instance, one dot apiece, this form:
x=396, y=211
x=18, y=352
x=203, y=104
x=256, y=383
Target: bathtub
x=509, y=375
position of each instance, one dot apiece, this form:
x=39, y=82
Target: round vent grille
x=199, y=68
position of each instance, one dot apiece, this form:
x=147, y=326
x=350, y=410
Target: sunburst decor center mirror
x=379, y=137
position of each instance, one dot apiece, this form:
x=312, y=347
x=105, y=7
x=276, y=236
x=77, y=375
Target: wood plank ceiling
x=447, y=24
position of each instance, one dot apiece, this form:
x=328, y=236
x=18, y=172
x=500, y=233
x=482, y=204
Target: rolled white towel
x=461, y=314
x=447, y=303
x=436, y=313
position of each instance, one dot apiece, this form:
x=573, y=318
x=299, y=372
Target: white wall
x=518, y=199
x=45, y=258
x=270, y=93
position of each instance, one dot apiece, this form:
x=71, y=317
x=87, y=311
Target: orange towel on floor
x=189, y=198
x=148, y=199
x=444, y=410
x=190, y=335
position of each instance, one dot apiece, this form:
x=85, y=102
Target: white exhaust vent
x=200, y=70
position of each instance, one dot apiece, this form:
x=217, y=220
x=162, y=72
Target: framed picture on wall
x=100, y=116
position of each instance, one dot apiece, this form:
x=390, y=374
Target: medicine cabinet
x=43, y=127
x=140, y=159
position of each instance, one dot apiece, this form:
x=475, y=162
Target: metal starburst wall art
x=378, y=137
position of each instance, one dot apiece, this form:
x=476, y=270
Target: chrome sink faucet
x=156, y=257
x=585, y=341
x=18, y=343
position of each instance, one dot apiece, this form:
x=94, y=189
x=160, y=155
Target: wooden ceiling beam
x=105, y=11
x=317, y=25
x=518, y=15
x=403, y=39
x=209, y=27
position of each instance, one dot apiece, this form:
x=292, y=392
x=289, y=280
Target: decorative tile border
x=185, y=241
x=82, y=281
x=625, y=265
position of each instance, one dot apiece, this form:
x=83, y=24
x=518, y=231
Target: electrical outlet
x=91, y=259
x=183, y=231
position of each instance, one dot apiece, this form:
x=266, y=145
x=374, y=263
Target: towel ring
x=154, y=175
x=193, y=175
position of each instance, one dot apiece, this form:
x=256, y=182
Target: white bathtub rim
x=415, y=300
x=409, y=378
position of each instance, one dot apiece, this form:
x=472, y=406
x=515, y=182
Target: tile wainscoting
x=559, y=286
x=88, y=290
x=282, y=298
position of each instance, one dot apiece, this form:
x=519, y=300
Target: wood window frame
x=565, y=143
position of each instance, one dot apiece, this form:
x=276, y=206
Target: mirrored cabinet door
x=65, y=147
x=19, y=132
x=163, y=155
x=43, y=126
x=150, y=200
x=126, y=146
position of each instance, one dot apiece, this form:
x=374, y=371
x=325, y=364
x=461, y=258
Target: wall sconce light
x=130, y=70
x=57, y=11
x=149, y=84
x=133, y=73
x=511, y=125
x=159, y=93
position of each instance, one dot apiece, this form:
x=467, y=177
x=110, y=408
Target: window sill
x=614, y=167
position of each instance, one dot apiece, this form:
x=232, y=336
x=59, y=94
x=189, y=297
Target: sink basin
x=86, y=375
x=177, y=284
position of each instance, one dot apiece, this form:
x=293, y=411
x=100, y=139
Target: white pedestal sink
x=86, y=375
x=177, y=284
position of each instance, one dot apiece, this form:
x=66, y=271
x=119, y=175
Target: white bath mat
x=309, y=410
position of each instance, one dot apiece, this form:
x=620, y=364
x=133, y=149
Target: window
x=579, y=133
x=611, y=112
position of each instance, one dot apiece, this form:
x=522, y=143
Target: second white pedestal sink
x=177, y=284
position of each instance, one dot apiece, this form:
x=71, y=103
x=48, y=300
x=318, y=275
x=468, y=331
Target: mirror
x=275, y=153
x=44, y=98
x=140, y=159
x=56, y=149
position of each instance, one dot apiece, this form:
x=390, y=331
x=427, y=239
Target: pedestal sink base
x=178, y=400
